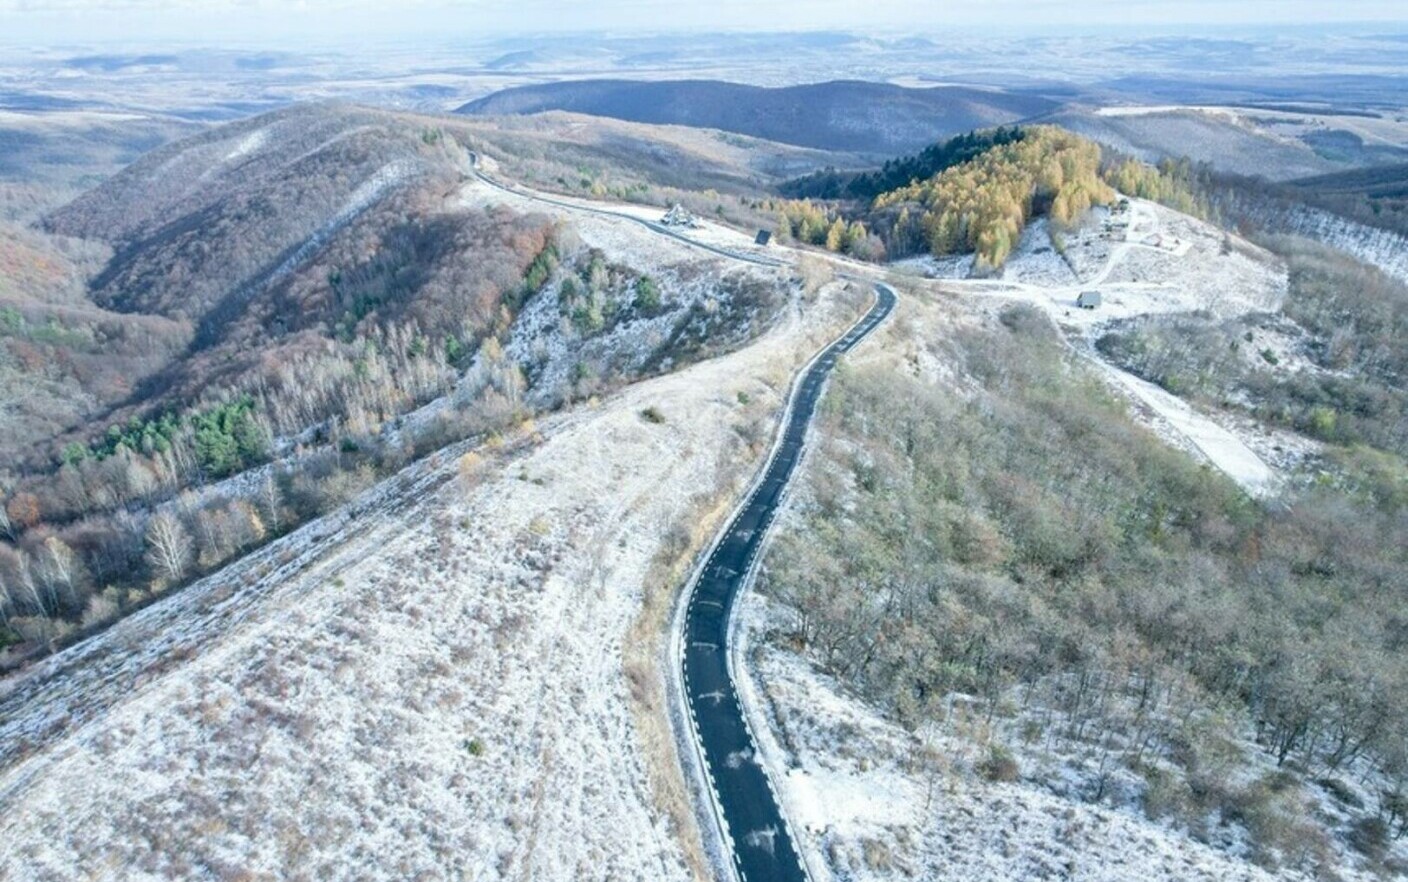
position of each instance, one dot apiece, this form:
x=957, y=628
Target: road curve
x=745, y=805
x=750, y=821
x=607, y=212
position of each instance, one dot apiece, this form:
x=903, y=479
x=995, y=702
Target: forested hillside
x=229, y=338
x=230, y=250
x=873, y=118
x=983, y=204
x=896, y=173
x=1023, y=549
x=971, y=194
x=1378, y=194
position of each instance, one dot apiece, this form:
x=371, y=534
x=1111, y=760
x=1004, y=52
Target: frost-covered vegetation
x=1016, y=542
x=1344, y=324
x=456, y=676
x=335, y=292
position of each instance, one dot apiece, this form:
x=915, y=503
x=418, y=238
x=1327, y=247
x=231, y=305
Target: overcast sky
x=280, y=21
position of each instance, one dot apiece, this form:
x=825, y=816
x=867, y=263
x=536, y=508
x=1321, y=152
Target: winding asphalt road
x=744, y=803
x=744, y=800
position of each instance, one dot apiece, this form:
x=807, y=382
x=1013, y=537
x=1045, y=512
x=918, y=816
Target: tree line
x=900, y=171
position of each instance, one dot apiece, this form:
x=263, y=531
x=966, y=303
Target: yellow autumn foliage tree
x=984, y=204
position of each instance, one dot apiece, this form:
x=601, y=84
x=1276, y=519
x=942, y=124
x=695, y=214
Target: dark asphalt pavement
x=762, y=848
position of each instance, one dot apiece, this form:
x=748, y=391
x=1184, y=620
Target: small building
x=1089, y=300
x=763, y=238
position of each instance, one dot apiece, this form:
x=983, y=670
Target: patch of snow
x=1036, y=261
x=248, y=144
x=366, y=194
x=1220, y=446
x=1386, y=250
x=1147, y=109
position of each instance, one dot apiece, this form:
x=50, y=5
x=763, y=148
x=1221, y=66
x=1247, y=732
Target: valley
x=573, y=463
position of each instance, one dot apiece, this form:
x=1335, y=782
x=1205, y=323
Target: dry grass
x=645, y=648
x=646, y=641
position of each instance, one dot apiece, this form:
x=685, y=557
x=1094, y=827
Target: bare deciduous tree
x=169, y=547
x=59, y=570
x=5, y=526
x=271, y=501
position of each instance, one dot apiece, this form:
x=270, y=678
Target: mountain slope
x=1382, y=182
x=294, y=306
x=841, y=115
x=268, y=237
x=1216, y=138
x=243, y=205
x=444, y=679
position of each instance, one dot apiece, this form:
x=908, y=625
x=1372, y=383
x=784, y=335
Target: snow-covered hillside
x=1164, y=263
x=883, y=803
x=430, y=688
x=431, y=682
x=873, y=800
x=1386, y=250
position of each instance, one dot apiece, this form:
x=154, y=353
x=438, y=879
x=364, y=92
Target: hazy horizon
x=52, y=23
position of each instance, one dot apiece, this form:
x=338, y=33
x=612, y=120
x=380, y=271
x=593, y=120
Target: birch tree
x=169, y=547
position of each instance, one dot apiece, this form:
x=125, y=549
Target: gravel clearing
x=1206, y=271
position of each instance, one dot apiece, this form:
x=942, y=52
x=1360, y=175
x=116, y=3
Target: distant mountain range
x=876, y=118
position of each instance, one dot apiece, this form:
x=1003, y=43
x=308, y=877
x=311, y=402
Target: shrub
x=652, y=414
x=1370, y=837
x=1341, y=792
x=1279, y=821
x=1026, y=320
x=468, y=468
x=999, y=764
x=647, y=295
x=1166, y=795
x=877, y=854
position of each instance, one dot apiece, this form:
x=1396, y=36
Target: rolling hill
x=302, y=302
x=1217, y=138
x=875, y=118
x=1277, y=143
